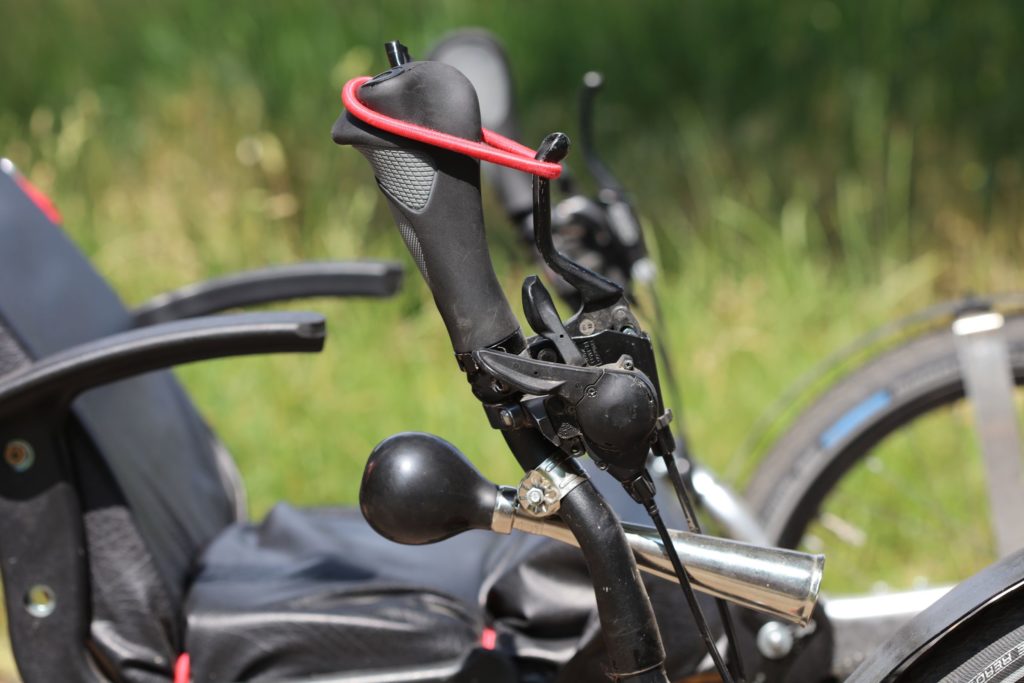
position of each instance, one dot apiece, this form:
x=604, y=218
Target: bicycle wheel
x=884, y=474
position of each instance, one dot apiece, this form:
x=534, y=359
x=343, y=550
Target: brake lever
x=596, y=292
x=621, y=216
x=606, y=180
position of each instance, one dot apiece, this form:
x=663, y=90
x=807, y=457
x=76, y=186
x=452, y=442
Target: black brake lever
x=606, y=180
x=595, y=290
x=621, y=216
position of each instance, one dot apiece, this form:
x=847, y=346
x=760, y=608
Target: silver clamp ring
x=504, y=510
x=543, y=488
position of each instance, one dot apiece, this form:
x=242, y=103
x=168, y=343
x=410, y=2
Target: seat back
x=147, y=468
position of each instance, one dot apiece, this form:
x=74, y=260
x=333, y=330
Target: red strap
x=495, y=148
x=488, y=638
x=182, y=669
x=39, y=199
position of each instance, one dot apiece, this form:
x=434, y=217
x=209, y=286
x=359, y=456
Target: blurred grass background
x=806, y=171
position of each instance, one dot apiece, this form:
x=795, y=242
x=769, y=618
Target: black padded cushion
x=316, y=591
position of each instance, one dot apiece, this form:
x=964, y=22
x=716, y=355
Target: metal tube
x=727, y=508
x=780, y=582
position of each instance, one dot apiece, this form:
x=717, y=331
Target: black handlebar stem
x=627, y=618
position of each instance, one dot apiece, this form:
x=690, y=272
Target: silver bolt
x=775, y=640
x=506, y=417
x=587, y=326
x=627, y=364
x=40, y=601
x=19, y=454
x=538, y=495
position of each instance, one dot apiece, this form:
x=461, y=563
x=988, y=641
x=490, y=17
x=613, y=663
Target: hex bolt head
x=538, y=494
x=775, y=640
x=506, y=417
x=19, y=455
x=587, y=326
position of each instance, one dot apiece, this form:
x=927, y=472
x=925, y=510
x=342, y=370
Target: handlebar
x=434, y=195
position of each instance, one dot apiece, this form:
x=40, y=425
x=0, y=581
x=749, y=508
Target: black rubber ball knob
x=418, y=488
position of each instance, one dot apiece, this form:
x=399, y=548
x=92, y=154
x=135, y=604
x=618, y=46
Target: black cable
x=694, y=523
x=683, y=451
x=667, y=371
x=691, y=597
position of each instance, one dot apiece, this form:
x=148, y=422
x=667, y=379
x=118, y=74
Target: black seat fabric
x=156, y=445
x=153, y=484
x=316, y=591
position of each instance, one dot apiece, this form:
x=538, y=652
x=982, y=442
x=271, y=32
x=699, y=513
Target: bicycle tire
x=918, y=378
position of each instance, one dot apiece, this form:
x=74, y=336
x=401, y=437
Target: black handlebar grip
x=434, y=195
x=481, y=58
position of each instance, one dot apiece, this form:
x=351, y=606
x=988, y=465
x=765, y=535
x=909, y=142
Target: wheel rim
x=934, y=457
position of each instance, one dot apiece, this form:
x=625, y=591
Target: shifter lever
x=544, y=319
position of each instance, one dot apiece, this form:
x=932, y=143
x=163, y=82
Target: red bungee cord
x=495, y=148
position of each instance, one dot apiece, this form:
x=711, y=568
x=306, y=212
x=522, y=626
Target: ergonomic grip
x=434, y=195
x=481, y=58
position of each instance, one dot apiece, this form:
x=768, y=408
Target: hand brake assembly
x=588, y=385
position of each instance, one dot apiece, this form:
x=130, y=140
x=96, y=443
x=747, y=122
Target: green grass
x=802, y=177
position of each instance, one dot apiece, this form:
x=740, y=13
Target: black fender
x=996, y=585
